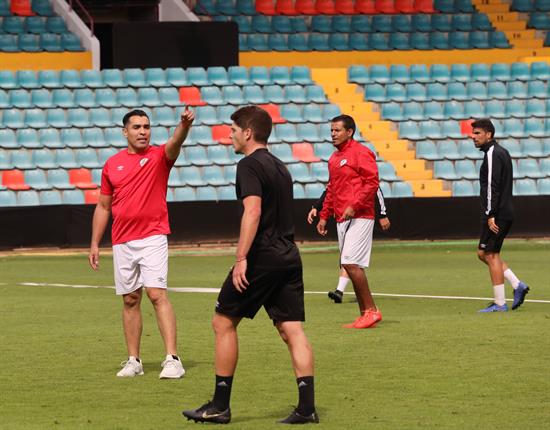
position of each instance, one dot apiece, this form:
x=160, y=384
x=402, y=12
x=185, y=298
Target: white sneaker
x=171, y=368
x=130, y=368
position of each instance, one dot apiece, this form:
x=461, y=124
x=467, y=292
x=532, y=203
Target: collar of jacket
x=345, y=145
x=486, y=147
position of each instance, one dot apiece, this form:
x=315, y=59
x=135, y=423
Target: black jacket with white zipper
x=496, y=182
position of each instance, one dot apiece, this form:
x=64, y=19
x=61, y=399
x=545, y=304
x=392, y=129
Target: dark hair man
x=133, y=189
x=497, y=214
x=353, y=183
x=267, y=271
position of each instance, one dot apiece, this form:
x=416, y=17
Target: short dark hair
x=256, y=119
x=348, y=121
x=135, y=112
x=485, y=124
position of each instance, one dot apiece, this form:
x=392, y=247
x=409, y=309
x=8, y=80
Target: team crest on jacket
x=143, y=161
x=344, y=161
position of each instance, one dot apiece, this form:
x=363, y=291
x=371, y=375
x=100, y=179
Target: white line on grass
x=217, y=290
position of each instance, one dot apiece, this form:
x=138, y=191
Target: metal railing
x=84, y=12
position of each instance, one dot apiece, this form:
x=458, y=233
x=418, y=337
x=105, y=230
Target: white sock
x=171, y=357
x=512, y=278
x=342, y=283
x=500, y=297
x=131, y=357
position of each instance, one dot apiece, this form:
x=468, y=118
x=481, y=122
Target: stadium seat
x=221, y=134
x=27, y=137
x=27, y=79
x=36, y=179
x=445, y=169
x=213, y=175
x=14, y=180
x=13, y=118
x=21, y=159
x=525, y=187
x=65, y=158
x=71, y=42
x=401, y=189
x=218, y=155
x=427, y=150
x=463, y=188
x=191, y=176
x=466, y=169
x=50, y=42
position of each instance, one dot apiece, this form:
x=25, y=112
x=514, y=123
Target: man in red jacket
x=353, y=182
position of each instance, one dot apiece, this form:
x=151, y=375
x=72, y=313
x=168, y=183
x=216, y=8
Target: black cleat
x=297, y=418
x=336, y=295
x=208, y=413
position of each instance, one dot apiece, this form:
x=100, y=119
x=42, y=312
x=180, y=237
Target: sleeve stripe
x=381, y=201
x=489, y=178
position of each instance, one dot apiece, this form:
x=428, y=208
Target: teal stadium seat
x=226, y=192
x=440, y=73
x=283, y=152
x=427, y=150
x=8, y=79
x=59, y=179
x=92, y=78
x=21, y=159
x=8, y=43
x=41, y=98
x=35, y=24
x=72, y=197
x=155, y=77
x=27, y=198
x=13, y=118
x=543, y=186
x=259, y=75
x=37, y=180
x=445, y=169
x=434, y=110
x=94, y=138
x=233, y=94
x=412, y=111
x=466, y=169
x=70, y=42
x=84, y=97
x=319, y=171
x=35, y=118
x=525, y=187
x=463, y=189
x=50, y=198
x=213, y=175
x=27, y=138
x=20, y=99
x=159, y=135
x=70, y=79
x=49, y=138
x=176, y=77
x=206, y=194
x=313, y=113
x=212, y=96
x=253, y=94
x=50, y=42
x=300, y=173
x=401, y=189
x=217, y=76
x=292, y=113
x=196, y=155
x=148, y=97
x=114, y=78
x=184, y=194
x=218, y=155
x=191, y=176
x=238, y=75
x=8, y=198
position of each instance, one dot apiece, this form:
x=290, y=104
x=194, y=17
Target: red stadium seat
x=273, y=111
x=304, y=152
x=285, y=7
x=365, y=7
x=91, y=196
x=466, y=127
x=265, y=7
x=305, y=7
x=220, y=133
x=81, y=178
x=424, y=6
x=191, y=96
x=384, y=6
x=21, y=7
x=14, y=180
x=405, y=6
x=325, y=7
x=345, y=7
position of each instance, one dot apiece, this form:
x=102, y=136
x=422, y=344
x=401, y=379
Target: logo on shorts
x=143, y=161
x=483, y=245
x=217, y=305
x=120, y=168
x=161, y=279
x=344, y=161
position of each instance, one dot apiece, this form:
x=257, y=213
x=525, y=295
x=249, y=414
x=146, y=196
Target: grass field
x=431, y=364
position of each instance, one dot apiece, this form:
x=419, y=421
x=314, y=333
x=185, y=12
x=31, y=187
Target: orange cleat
x=369, y=319
x=352, y=325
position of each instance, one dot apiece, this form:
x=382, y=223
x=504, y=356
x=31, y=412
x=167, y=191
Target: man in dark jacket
x=497, y=214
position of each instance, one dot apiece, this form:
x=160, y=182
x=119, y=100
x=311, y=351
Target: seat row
x=10, y=198
x=530, y=5
x=32, y=24
x=155, y=77
x=521, y=187
x=468, y=169
x=361, y=23
x=29, y=42
x=39, y=7
x=457, y=91
x=530, y=127
x=443, y=73
x=461, y=150
x=373, y=41
x=539, y=20
x=89, y=98
x=465, y=110
x=318, y=7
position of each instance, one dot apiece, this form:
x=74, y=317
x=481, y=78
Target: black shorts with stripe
x=279, y=291
x=491, y=242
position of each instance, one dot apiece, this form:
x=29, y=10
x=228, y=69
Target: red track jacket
x=353, y=181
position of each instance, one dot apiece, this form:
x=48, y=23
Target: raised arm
x=102, y=214
x=173, y=146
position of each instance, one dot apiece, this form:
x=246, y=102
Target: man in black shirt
x=497, y=214
x=267, y=270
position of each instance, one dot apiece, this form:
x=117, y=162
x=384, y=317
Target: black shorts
x=491, y=242
x=280, y=292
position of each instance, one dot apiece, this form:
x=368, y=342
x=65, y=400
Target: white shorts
x=355, y=241
x=141, y=263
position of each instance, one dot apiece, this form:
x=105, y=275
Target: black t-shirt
x=264, y=175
